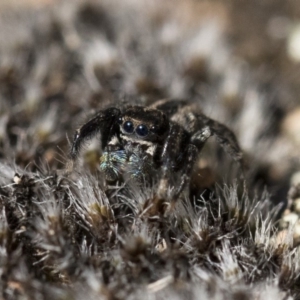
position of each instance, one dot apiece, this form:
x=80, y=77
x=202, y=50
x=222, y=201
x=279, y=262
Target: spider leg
x=197, y=142
x=200, y=137
x=103, y=122
x=191, y=157
x=225, y=137
x=174, y=144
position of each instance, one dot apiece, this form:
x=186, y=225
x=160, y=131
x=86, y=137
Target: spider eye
x=153, y=128
x=142, y=130
x=120, y=120
x=128, y=127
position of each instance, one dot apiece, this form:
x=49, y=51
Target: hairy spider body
x=166, y=136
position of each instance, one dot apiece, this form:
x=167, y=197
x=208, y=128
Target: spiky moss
x=69, y=234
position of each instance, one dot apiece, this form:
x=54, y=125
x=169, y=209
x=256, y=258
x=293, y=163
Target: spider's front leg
x=190, y=158
x=177, y=153
x=104, y=122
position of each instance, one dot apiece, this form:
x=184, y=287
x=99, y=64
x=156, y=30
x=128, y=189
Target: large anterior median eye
x=128, y=127
x=142, y=130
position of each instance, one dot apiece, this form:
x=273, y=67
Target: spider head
x=141, y=123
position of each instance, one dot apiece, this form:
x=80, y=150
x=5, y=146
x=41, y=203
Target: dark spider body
x=167, y=135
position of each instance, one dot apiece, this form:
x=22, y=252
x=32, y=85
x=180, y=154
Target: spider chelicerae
x=166, y=136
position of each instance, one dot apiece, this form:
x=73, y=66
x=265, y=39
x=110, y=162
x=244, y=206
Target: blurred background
x=61, y=61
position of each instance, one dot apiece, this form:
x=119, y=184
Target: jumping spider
x=168, y=135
